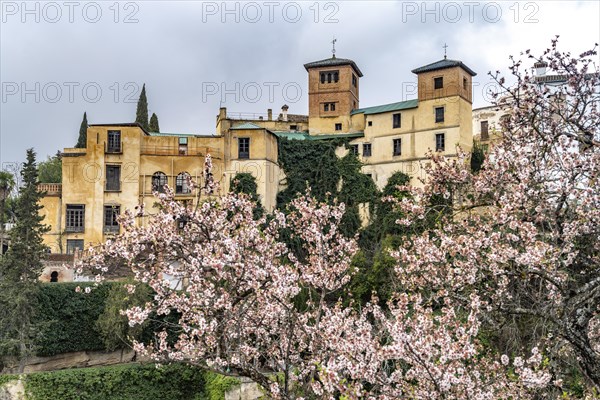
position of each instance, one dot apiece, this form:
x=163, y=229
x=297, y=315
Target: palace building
x=122, y=164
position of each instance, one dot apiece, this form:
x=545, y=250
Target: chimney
x=269, y=114
x=222, y=113
x=540, y=68
x=284, y=111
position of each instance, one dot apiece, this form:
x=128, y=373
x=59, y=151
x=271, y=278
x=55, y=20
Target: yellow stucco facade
x=123, y=164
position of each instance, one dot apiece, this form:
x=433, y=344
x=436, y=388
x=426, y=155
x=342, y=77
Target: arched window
x=159, y=180
x=329, y=77
x=322, y=77
x=182, y=183
x=54, y=276
x=336, y=76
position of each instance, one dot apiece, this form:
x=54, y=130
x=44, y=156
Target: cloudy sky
x=59, y=59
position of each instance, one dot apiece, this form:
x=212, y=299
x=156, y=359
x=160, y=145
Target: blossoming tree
x=519, y=238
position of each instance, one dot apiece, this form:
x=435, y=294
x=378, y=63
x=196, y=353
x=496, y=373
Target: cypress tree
x=153, y=127
x=20, y=268
x=141, y=115
x=82, y=139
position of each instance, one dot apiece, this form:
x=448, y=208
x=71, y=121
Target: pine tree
x=82, y=139
x=141, y=115
x=20, y=268
x=153, y=127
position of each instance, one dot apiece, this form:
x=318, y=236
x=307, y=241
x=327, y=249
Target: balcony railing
x=51, y=189
x=178, y=150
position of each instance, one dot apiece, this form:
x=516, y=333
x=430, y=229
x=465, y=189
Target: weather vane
x=445, y=46
x=333, y=49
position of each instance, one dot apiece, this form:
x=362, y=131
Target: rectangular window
x=439, y=114
x=438, y=83
x=338, y=127
x=440, y=142
x=396, y=119
x=293, y=127
x=183, y=140
x=366, y=149
x=354, y=80
x=114, y=142
x=110, y=219
x=244, y=148
x=465, y=83
x=75, y=218
x=484, y=130
x=326, y=107
x=370, y=123
x=397, y=147
x=354, y=149
x=332, y=106
x=74, y=245
x=113, y=178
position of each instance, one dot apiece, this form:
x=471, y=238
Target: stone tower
x=333, y=87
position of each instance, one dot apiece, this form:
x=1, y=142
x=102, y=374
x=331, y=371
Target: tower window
x=322, y=77
x=440, y=142
x=438, y=83
x=465, y=83
x=328, y=106
x=366, y=149
x=354, y=80
x=338, y=127
x=244, y=148
x=396, y=120
x=397, y=147
x=329, y=77
x=336, y=76
x=439, y=114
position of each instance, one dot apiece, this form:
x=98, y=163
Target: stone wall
x=78, y=359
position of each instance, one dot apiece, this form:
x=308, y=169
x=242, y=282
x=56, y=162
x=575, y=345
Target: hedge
x=125, y=382
x=66, y=320
x=4, y=379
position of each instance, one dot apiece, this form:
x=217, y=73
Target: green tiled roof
x=178, y=134
x=247, y=125
x=442, y=64
x=403, y=105
x=294, y=135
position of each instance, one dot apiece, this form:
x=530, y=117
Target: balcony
x=51, y=189
x=178, y=150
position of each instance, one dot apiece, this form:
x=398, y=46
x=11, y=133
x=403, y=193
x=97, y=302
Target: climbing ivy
x=313, y=164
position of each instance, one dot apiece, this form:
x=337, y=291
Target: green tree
x=141, y=114
x=50, y=171
x=82, y=139
x=153, y=127
x=113, y=326
x=20, y=268
x=7, y=182
x=244, y=182
x=477, y=157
